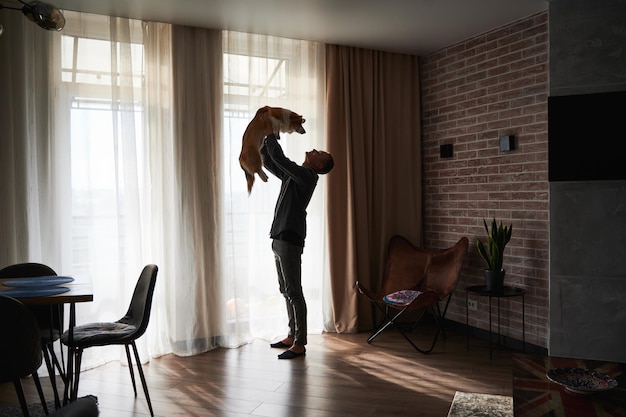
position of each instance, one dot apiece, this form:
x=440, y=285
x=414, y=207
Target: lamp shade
x=44, y=15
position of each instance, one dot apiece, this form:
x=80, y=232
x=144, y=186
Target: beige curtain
x=25, y=141
x=197, y=91
x=374, y=192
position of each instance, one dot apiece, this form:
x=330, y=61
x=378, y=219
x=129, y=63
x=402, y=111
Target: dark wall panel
x=587, y=46
x=587, y=186
x=588, y=270
x=586, y=135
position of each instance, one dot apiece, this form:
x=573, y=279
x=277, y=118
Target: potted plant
x=493, y=254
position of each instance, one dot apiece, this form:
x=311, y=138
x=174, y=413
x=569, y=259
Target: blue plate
x=34, y=292
x=30, y=282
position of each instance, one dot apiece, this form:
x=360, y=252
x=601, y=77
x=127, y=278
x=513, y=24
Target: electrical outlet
x=472, y=304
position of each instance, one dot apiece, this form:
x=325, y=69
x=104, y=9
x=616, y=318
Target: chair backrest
x=20, y=349
x=444, y=269
x=26, y=270
x=405, y=265
x=47, y=316
x=138, y=313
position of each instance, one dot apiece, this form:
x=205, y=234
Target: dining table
x=68, y=291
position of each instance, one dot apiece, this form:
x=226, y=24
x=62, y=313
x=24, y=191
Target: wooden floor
x=341, y=375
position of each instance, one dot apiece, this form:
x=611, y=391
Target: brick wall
x=474, y=92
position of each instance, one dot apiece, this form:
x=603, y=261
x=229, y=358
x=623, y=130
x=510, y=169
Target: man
x=289, y=231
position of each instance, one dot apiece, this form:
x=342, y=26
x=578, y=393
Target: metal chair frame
x=387, y=321
x=434, y=273
x=100, y=334
x=33, y=270
x=22, y=346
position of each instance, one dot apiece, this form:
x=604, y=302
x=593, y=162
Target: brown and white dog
x=283, y=120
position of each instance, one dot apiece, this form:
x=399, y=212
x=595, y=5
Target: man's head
x=320, y=161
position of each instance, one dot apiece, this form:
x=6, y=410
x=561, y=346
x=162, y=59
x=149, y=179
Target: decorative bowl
x=581, y=380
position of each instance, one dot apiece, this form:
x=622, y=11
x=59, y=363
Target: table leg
x=50, y=362
x=70, y=357
x=467, y=331
x=499, y=330
x=490, y=347
x=523, y=325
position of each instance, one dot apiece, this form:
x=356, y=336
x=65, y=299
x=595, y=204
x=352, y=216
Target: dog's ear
x=296, y=118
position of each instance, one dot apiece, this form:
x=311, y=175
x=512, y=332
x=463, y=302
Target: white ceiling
x=408, y=26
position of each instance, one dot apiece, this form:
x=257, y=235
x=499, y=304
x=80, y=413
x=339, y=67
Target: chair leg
x=439, y=330
x=20, y=395
x=378, y=327
x=55, y=360
x=60, y=366
x=42, y=398
x=386, y=324
x=392, y=321
x=77, y=357
x=130, y=369
x=50, y=368
x=424, y=351
x=142, y=377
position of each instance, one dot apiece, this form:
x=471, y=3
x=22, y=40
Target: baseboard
x=476, y=333
x=505, y=341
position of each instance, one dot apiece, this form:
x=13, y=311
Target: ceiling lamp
x=44, y=14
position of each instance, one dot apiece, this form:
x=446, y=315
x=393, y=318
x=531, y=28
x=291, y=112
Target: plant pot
x=494, y=280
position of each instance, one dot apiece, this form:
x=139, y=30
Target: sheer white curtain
x=262, y=70
x=101, y=160
x=164, y=213
x=79, y=191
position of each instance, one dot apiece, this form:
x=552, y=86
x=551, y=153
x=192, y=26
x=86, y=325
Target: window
x=103, y=83
x=258, y=71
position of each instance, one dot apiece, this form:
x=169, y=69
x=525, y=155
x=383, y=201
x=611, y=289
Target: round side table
x=507, y=291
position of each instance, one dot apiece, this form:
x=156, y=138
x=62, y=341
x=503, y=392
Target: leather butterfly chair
x=20, y=350
x=49, y=318
x=416, y=279
x=125, y=331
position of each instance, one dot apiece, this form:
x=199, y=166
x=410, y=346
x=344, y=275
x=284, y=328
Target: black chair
x=20, y=350
x=49, y=319
x=122, y=332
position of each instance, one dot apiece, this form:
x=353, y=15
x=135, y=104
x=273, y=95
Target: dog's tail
x=249, y=180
